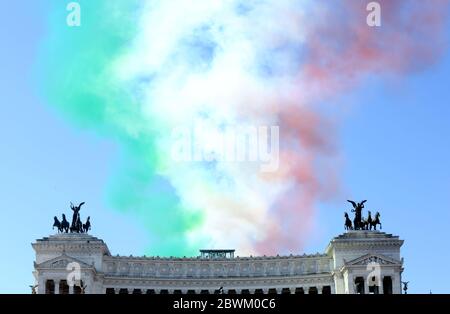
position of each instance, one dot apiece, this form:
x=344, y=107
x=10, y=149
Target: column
x=380, y=285
x=41, y=285
x=56, y=286
x=319, y=289
x=396, y=284
x=89, y=286
x=71, y=289
x=351, y=284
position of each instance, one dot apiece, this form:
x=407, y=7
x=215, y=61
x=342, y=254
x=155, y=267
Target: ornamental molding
x=61, y=262
x=371, y=243
x=72, y=242
x=219, y=269
x=80, y=246
x=373, y=258
x=303, y=257
x=328, y=280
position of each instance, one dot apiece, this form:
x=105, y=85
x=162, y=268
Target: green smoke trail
x=75, y=71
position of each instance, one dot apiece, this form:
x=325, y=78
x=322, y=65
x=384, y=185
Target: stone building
x=354, y=262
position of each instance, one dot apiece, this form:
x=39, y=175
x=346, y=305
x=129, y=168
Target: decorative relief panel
x=191, y=270
x=111, y=268
x=60, y=264
x=206, y=269
x=284, y=268
x=258, y=269
x=231, y=270
x=373, y=259
x=124, y=268
x=164, y=270
x=271, y=269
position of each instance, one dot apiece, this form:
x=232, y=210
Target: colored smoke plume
x=136, y=70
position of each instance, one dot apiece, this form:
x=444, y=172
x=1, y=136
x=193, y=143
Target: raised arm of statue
x=352, y=202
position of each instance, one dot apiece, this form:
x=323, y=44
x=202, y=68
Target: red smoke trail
x=341, y=51
x=344, y=49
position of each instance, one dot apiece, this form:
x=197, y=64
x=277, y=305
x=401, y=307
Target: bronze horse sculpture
x=57, y=224
x=62, y=226
x=376, y=221
x=348, y=223
x=77, y=226
x=87, y=225
x=359, y=223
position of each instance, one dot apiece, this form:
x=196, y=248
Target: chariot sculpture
x=359, y=222
x=76, y=226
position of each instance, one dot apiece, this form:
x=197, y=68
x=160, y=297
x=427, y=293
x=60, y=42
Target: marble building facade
x=358, y=261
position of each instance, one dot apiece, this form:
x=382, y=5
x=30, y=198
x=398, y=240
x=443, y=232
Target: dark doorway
x=49, y=287
x=63, y=287
x=387, y=285
x=359, y=284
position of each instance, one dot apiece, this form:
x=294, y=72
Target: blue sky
x=394, y=139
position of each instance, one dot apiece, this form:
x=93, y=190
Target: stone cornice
x=144, y=258
x=71, y=242
x=364, y=238
x=189, y=282
x=204, y=268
